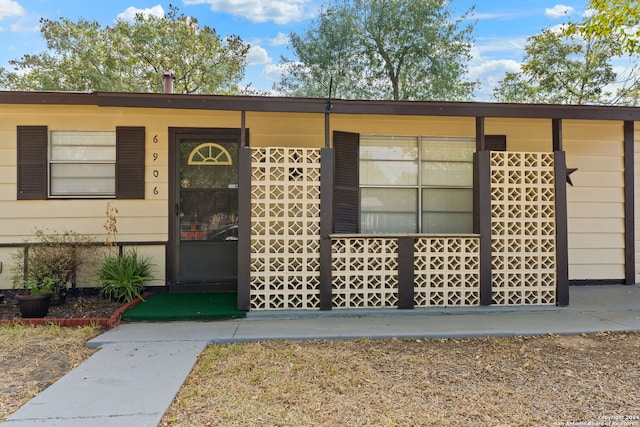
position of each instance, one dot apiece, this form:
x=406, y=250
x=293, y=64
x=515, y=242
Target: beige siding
x=404, y=125
x=636, y=166
x=596, y=201
x=533, y=135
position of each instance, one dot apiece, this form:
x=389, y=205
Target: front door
x=206, y=210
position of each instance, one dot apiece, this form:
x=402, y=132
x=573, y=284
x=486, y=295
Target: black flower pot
x=33, y=305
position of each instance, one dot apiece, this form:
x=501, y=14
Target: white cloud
x=279, y=11
x=10, y=9
x=258, y=56
x=20, y=27
x=489, y=73
x=130, y=13
x=558, y=11
x=272, y=72
x=280, y=40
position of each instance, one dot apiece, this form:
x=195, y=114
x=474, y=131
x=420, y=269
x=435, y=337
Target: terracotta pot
x=33, y=305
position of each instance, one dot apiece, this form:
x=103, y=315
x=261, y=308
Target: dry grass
x=479, y=382
x=33, y=357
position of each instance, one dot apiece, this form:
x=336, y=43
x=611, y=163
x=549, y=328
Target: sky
x=501, y=28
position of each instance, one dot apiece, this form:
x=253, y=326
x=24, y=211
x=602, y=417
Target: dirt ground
x=32, y=358
x=533, y=381
x=81, y=307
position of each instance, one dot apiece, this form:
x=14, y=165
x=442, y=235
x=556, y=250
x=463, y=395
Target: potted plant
x=122, y=277
x=34, y=301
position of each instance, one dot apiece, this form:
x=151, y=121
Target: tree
x=561, y=69
x=381, y=49
x=131, y=57
x=619, y=19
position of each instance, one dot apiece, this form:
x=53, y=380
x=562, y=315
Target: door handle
x=177, y=209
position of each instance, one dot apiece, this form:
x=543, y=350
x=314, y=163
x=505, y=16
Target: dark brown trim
x=326, y=274
x=482, y=220
x=480, y=143
x=32, y=168
x=562, y=245
x=243, y=129
x=244, y=229
x=596, y=282
x=556, y=130
x=406, y=272
x=130, y=162
x=629, y=205
x=326, y=226
x=312, y=105
x=346, y=182
x=120, y=244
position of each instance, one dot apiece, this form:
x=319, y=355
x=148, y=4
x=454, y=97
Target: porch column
x=562, y=242
x=482, y=210
x=629, y=203
x=326, y=226
x=244, y=221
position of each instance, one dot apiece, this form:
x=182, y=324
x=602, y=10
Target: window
x=82, y=164
x=416, y=184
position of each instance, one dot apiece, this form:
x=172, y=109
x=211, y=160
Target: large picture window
x=416, y=184
x=82, y=164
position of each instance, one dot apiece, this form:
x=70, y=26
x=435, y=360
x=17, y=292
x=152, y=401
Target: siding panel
x=596, y=201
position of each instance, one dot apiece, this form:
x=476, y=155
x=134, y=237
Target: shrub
x=122, y=277
x=53, y=255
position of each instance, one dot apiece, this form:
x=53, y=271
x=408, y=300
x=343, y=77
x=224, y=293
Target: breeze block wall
x=523, y=243
x=285, y=240
x=285, y=229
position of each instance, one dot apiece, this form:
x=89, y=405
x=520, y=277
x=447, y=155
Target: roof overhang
x=316, y=105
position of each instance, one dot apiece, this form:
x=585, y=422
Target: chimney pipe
x=168, y=77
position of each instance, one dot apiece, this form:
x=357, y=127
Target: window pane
x=447, y=222
x=447, y=199
x=83, y=154
x=388, y=210
x=83, y=138
x=388, y=173
x=454, y=174
x=456, y=149
x=83, y=179
x=388, y=148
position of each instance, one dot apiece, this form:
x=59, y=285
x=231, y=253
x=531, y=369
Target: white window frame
x=421, y=180
x=105, y=140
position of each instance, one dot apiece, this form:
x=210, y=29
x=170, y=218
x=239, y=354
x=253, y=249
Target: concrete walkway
x=140, y=367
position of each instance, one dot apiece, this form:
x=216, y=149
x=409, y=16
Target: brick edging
x=105, y=322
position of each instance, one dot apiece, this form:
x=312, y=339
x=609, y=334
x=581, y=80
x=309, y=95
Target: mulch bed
x=82, y=310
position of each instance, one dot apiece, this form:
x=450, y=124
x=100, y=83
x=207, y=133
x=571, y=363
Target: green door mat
x=164, y=307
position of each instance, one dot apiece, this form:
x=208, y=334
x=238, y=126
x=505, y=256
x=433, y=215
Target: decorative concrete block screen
x=364, y=272
x=447, y=271
x=285, y=228
x=523, y=228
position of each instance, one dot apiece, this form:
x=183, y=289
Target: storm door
x=206, y=210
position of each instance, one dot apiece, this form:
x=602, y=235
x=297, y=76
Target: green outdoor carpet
x=164, y=307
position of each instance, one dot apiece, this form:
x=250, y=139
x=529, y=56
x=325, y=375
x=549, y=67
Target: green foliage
x=562, y=69
x=381, y=49
x=618, y=19
x=122, y=277
x=131, y=57
x=53, y=255
x=43, y=287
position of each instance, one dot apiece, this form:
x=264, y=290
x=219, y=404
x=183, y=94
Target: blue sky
x=501, y=27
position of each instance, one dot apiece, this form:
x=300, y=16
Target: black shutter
x=495, y=142
x=32, y=162
x=130, y=162
x=346, y=186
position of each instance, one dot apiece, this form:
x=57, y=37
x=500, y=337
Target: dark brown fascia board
x=316, y=105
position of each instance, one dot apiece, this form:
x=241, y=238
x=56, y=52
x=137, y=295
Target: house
x=309, y=204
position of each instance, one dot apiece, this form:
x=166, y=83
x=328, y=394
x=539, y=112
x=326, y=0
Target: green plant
x=122, y=277
x=42, y=287
x=53, y=255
